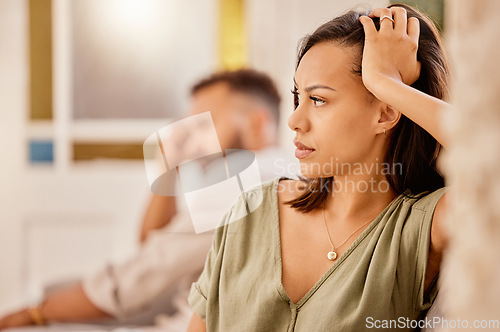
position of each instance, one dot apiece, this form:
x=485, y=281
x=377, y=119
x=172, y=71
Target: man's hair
x=247, y=81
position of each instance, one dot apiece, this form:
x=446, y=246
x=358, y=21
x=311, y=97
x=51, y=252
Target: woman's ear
x=388, y=118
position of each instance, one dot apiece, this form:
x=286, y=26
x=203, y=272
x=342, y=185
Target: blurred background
x=84, y=82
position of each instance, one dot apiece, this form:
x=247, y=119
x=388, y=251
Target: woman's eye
x=296, y=98
x=317, y=102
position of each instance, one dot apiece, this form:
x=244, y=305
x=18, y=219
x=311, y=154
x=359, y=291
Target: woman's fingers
x=401, y=23
x=385, y=23
x=400, y=19
x=414, y=29
x=368, y=26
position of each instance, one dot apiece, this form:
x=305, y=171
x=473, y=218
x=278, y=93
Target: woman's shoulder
x=282, y=188
x=426, y=200
x=254, y=203
x=289, y=189
x=262, y=202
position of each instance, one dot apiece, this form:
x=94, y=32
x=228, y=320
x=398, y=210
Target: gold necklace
x=332, y=255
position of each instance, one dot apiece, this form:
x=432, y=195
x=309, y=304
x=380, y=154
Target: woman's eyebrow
x=318, y=86
x=313, y=87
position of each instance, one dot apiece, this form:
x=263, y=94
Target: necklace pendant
x=332, y=255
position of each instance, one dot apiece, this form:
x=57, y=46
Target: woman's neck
x=359, y=196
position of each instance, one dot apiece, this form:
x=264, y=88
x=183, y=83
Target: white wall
x=13, y=103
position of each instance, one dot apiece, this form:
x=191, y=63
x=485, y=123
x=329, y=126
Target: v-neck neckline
x=326, y=275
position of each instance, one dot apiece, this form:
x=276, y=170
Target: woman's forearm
x=421, y=108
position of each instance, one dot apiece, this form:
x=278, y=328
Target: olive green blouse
x=379, y=278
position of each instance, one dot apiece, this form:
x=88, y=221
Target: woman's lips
x=302, y=150
x=300, y=153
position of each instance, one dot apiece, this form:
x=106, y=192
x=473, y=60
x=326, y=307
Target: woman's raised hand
x=390, y=52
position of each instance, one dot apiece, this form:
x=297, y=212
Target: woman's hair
x=410, y=147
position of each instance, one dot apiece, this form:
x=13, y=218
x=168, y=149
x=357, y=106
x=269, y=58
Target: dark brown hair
x=409, y=145
x=249, y=82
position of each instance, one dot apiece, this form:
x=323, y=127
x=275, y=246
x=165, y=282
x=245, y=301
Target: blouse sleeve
x=198, y=294
x=203, y=296
x=427, y=206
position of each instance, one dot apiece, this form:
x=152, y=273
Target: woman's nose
x=297, y=121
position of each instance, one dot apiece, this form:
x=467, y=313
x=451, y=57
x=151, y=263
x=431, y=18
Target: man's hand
x=67, y=305
x=16, y=319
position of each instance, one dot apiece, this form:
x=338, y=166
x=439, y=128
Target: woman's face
x=335, y=117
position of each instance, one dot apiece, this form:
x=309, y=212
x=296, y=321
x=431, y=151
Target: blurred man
x=244, y=107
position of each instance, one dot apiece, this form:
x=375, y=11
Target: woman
x=357, y=244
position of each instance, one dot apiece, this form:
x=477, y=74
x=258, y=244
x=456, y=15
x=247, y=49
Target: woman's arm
x=439, y=242
x=421, y=108
x=390, y=65
x=196, y=324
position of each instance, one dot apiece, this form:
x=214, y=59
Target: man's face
x=225, y=107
